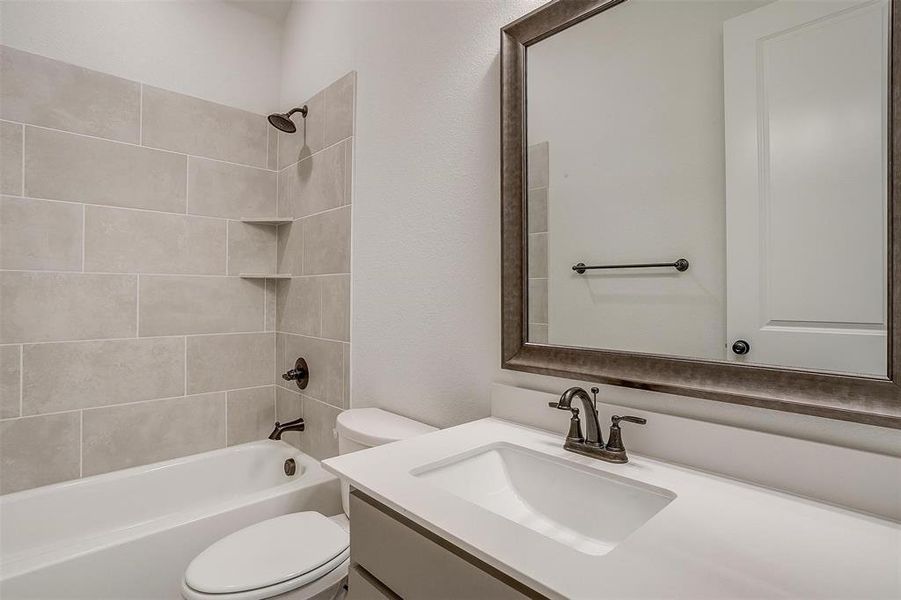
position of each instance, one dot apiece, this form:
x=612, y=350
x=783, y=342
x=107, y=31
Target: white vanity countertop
x=718, y=538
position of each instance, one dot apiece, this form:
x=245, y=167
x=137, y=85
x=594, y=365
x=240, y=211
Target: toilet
x=298, y=556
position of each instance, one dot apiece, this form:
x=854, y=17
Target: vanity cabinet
x=393, y=557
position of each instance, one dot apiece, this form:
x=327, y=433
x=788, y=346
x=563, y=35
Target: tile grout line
x=138, y=209
x=133, y=338
x=154, y=148
x=320, y=151
x=321, y=212
x=135, y=403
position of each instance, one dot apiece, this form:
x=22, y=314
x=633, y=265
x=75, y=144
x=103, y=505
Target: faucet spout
x=592, y=427
x=280, y=428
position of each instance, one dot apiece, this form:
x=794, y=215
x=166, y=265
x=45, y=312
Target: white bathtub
x=132, y=533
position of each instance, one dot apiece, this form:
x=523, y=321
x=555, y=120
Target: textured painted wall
x=426, y=231
x=426, y=212
x=210, y=49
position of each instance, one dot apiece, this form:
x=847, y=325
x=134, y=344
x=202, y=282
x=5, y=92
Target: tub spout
x=280, y=428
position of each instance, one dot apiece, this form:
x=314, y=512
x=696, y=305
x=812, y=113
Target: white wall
x=632, y=107
x=426, y=231
x=204, y=48
x=426, y=212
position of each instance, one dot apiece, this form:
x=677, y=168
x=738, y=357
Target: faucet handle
x=575, y=425
x=615, y=439
x=615, y=419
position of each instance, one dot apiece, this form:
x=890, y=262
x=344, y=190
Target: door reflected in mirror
x=708, y=179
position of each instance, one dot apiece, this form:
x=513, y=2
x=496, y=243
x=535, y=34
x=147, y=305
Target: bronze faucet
x=593, y=444
x=280, y=428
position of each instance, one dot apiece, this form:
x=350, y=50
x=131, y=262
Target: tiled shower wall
x=313, y=316
x=126, y=334
x=539, y=182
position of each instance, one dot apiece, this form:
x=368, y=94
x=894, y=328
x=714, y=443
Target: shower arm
x=301, y=109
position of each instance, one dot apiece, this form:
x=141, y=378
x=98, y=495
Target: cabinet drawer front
x=362, y=586
x=416, y=564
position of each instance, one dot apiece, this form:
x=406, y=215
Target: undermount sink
x=584, y=508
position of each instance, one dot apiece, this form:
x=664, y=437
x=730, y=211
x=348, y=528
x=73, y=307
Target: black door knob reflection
x=741, y=347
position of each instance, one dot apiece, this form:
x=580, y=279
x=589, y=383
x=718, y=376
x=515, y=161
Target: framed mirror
x=699, y=197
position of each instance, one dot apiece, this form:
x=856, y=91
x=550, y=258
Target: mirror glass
x=741, y=147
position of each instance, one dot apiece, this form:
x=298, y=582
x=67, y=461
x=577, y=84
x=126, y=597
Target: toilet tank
x=361, y=428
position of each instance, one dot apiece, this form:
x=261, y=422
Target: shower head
x=283, y=122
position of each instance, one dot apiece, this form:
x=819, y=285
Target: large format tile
x=40, y=307
x=10, y=380
x=318, y=439
x=309, y=137
x=298, y=304
x=63, y=166
x=251, y=414
x=219, y=189
x=100, y=373
x=348, y=171
x=118, y=437
x=229, y=361
x=51, y=93
x=40, y=234
x=538, y=301
x=10, y=158
x=538, y=255
x=326, y=242
x=251, y=248
x=290, y=248
x=326, y=361
x=186, y=124
x=38, y=451
x=336, y=307
x=347, y=403
x=119, y=240
x=314, y=184
x=538, y=165
x=538, y=210
x=339, y=109
x=271, y=304
x=272, y=149
x=289, y=406
x=281, y=362
x=184, y=305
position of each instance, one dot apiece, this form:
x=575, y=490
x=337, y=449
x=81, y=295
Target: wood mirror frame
x=875, y=401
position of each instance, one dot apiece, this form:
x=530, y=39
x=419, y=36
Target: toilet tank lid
x=374, y=426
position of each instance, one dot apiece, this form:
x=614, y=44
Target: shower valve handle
x=300, y=374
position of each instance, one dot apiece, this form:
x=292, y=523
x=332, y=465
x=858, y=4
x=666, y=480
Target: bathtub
x=132, y=533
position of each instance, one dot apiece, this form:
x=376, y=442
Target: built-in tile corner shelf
x=264, y=275
x=267, y=220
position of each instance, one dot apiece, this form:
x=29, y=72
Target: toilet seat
x=269, y=558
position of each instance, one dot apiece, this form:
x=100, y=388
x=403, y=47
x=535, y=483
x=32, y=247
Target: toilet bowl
x=298, y=556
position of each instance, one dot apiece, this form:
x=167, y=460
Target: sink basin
x=583, y=508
